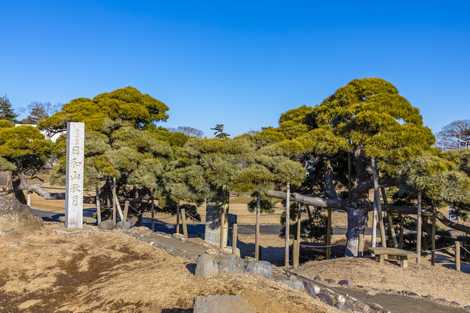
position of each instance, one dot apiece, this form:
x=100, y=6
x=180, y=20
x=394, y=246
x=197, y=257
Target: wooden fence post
x=457, y=255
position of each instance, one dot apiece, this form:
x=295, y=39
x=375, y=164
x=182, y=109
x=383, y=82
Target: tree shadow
x=177, y=310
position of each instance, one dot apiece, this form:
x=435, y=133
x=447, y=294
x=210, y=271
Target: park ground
x=55, y=270
x=109, y=271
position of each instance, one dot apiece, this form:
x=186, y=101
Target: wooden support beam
x=419, y=231
x=126, y=210
x=153, y=215
x=329, y=229
x=183, y=220
x=98, y=205
x=296, y=251
x=296, y=254
x=118, y=206
x=114, y=209
x=287, y=232
x=178, y=231
x=433, y=238
x=257, y=228
x=389, y=218
x=457, y=255
x=402, y=233
x=377, y=203
x=222, y=229
x=28, y=198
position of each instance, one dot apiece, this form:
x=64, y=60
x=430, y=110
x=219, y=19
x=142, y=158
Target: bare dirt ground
x=55, y=270
x=437, y=281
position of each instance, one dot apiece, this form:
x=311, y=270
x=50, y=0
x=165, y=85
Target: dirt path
x=400, y=304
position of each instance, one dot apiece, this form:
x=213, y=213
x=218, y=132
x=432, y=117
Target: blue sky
x=241, y=63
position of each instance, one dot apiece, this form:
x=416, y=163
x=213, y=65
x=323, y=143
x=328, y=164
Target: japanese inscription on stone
x=74, y=175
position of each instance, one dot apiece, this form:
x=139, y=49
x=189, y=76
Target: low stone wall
x=210, y=265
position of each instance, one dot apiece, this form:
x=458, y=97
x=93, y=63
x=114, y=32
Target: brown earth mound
x=55, y=270
x=427, y=280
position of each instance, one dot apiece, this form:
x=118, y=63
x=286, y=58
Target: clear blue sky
x=241, y=63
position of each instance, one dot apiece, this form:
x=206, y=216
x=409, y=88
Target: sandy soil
x=55, y=270
x=437, y=281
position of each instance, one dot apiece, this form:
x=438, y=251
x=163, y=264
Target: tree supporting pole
x=433, y=238
x=177, y=219
x=118, y=206
x=328, y=233
x=389, y=218
x=360, y=244
x=126, y=210
x=257, y=228
x=222, y=229
x=419, y=230
x=377, y=203
x=183, y=221
x=402, y=233
x=234, y=238
x=287, y=232
x=457, y=256
x=374, y=227
x=296, y=260
x=296, y=254
x=153, y=216
x=28, y=198
x=113, y=199
x=98, y=205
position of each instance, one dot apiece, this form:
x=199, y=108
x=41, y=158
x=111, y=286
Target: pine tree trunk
x=357, y=222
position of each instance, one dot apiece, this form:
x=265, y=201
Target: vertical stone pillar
x=74, y=175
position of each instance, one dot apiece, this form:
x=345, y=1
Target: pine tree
x=6, y=110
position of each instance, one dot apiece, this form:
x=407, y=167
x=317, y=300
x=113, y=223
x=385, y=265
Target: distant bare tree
x=189, y=131
x=455, y=135
x=40, y=110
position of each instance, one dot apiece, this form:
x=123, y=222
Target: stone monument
x=74, y=175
